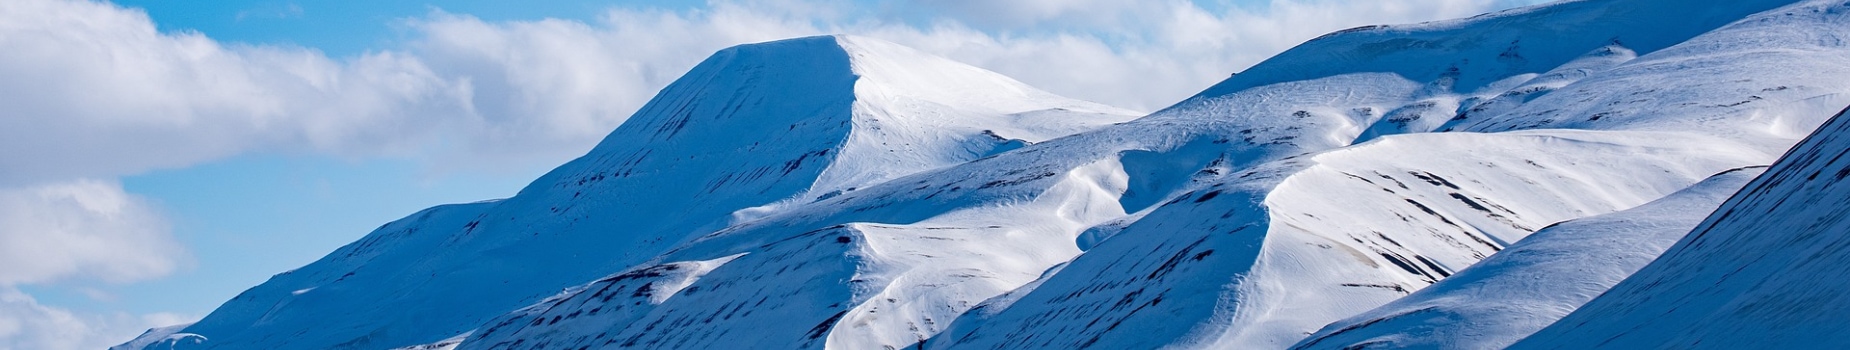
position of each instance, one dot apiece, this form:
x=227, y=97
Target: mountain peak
x=870, y=109
x=749, y=131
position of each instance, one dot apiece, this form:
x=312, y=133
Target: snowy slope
x=1517, y=294
x=846, y=193
x=1536, y=281
x=747, y=131
x=168, y=337
x=1765, y=271
x=1320, y=237
x=1269, y=282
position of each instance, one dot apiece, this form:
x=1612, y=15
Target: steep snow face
x=751, y=130
x=1534, y=282
x=1765, y=271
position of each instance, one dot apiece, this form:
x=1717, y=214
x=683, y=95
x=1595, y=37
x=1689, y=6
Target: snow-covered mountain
x=749, y=131
x=847, y=193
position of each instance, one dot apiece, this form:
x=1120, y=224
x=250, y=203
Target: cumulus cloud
x=1015, y=15
x=78, y=230
x=1143, y=54
x=27, y=324
x=560, y=84
x=94, y=90
x=82, y=229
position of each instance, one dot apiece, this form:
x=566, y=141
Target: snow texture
x=1535, y=282
x=1763, y=272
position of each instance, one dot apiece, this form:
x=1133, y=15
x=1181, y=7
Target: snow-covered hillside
x=1290, y=269
x=1504, y=299
x=847, y=193
x=1764, y=272
x=1535, y=282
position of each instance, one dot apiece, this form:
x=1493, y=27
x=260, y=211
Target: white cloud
x=1015, y=15
x=1144, y=54
x=27, y=324
x=581, y=79
x=80, y=230
x=85, y=229
x=93, y=90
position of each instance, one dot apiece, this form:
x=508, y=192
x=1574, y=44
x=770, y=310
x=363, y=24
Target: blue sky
x=343, y=28
x=248, y=217
x=219, y=142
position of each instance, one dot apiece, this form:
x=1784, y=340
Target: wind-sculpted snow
x=1763, y=272
x=1761, y=78
x=1267, y=254
x=1534, y=282
x=1273, y=289
x=846, y=193
x=1495, y=308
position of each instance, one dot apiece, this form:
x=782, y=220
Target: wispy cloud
x=86, y=229
x=27, y=324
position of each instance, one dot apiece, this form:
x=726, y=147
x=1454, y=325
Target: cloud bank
x=26, y=324
x=84, y=228
x=94, y=90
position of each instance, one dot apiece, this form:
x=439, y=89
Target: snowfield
x=1459, y=184
x=1535, y=282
